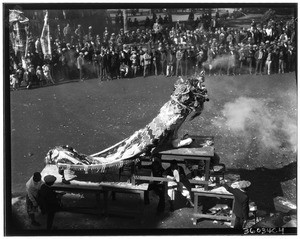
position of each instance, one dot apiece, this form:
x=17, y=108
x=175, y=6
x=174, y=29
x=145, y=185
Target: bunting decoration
x=188, y=96
x=45, y=38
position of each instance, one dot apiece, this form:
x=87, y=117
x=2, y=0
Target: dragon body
x=187, y=98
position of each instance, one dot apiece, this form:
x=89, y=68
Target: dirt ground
x=93, y=115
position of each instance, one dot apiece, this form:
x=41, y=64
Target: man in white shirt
x=147, y=62
x=32, y=187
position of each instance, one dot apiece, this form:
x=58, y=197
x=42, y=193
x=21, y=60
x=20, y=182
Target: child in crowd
x=47, y=74
x=124, y=70
x=40, y=75
x=14, y=81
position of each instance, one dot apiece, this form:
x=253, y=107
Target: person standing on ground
x=269, y=61
x=80, y=66
x=114, y=65
x=33, y=186
x=133, y=59
x=163, y=61
x=232, y=61
x=47, y=73
x=49, y=199
x=147, y=63
x=259, y=60
x=180, y=183
x=179, y=62
x=158, y=187
x=170, y=62
x=241, y=206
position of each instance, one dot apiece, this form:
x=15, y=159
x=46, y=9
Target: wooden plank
x=204, y=151
x=121, y=185
x=193, y=181
x=200, y=191
x=70, y=187
x=216, y=217
x=162, y=179
x=157, y=179
x=182, y=158
x=216, y=195
x=124, y=190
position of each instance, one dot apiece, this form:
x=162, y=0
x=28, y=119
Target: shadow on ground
x=266, y=183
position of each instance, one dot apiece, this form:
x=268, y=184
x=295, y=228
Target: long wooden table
x=203, y=193
x=97, y=188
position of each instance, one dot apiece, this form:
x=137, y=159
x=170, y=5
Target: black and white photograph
x=150, y=119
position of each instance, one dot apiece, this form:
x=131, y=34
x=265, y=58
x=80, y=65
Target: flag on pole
x=26, y=45
x=17, y=16
x=17, y=20
x=19, y=46
x=64, y=13
x=45, y=38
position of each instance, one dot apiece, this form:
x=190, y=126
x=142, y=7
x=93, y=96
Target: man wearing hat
x=32, y=188
x=259, y=56
x=241, y=205
x=49, y=201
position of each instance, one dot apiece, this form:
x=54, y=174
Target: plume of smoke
x=221, y=62
x=251, y=117
x=291, y=131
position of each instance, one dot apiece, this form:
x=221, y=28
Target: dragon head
x=58, y=153
x=51, y=156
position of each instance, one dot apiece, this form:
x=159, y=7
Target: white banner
x=45, y=38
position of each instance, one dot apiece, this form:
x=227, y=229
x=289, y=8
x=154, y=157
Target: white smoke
x=250, y=117
x=221, y=62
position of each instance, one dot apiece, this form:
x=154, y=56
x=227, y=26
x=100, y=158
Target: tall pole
x=125, y=19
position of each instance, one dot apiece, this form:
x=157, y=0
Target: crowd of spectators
x=158, y=48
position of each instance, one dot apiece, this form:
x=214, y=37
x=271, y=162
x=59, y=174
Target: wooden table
x=203, y=193
x=195, y=151
x=97, y=188
x=128, y=188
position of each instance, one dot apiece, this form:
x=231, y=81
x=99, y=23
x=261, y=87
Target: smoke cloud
x=221, y=62
x=253, y=118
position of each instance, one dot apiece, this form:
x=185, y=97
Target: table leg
x=233, y=215
x=142, y=206
x=206, y=173
x=105, y=196
x=195, y=208
x=97, y=194
x=232, y=220
x=113, y=196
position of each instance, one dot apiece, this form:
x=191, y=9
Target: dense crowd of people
x=158, y=49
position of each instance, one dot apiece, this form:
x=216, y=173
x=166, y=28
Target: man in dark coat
x=241, y=205
x=49, y=200
x=32, y=188
x=157, y=187
x=114, y=64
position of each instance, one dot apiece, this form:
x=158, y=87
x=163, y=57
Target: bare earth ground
x=92, y=115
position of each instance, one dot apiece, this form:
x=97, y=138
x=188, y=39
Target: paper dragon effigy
x=187, y=98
